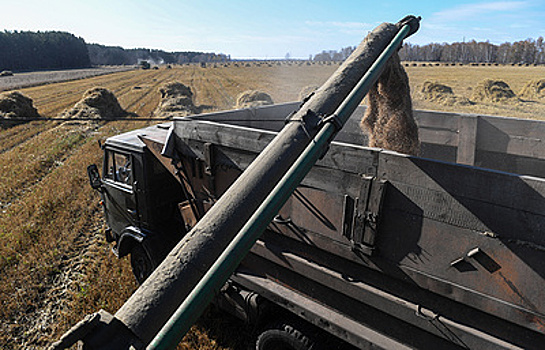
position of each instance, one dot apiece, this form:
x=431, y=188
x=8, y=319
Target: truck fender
x=130, y=236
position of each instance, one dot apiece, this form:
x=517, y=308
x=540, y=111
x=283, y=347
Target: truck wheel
x=141, y=263
x=285, y=336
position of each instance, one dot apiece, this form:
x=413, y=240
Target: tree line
x=114, y=55
x=333, y=55
x=24, y=50
x=527, y=51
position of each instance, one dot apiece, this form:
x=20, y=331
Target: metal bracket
x=209, y=159
x=333, y=119
x=361, y=216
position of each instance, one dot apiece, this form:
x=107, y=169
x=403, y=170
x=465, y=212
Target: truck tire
x=285, y=336
x=141, y=263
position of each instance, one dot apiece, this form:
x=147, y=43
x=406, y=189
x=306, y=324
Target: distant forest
x=42, y=50
x=26, y=51
x=528, y=51
x=113, y=55
x=23, y=51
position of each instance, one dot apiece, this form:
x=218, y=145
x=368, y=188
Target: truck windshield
x=118, y=168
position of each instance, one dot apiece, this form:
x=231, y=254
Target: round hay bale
x=97, y=103
x=176, y=101
x=534, y=89
x=15, y=105
x=441, y=94
x=253, y=98
x=490, y=90
x=307, y=91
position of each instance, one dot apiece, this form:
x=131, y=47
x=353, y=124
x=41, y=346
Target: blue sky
x=255, y=29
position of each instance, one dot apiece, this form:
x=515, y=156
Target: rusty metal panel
x=467, y=234
x=472, y=235
x=351, y=289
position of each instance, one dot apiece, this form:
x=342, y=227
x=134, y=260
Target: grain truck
x=374, y=248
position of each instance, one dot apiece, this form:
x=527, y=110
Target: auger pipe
x=190, y=310
x=152, y=305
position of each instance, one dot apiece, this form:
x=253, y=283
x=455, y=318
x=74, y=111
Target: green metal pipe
x=190, y=310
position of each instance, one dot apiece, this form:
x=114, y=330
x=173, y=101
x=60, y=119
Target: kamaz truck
x=285, y=217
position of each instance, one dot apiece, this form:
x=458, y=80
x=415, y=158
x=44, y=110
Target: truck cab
x=139, y=198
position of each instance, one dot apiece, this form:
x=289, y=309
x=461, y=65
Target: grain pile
x=98, y=104
x=490, y=90
x=176, y=101
x=15, y=108
x=534, y=89
x=253, y=98
x=441, y=94
x=389, y=117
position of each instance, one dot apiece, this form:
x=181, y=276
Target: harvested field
x=54, y=261
x=463, y=79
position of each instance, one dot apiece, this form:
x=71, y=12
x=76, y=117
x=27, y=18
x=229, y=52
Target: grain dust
x=389, y=116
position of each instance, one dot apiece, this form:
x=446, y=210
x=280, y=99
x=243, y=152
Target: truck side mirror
x=94, y=177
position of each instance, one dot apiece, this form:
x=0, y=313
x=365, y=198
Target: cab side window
x=118, y=168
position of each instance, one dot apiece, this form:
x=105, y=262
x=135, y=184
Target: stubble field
x=55, y=266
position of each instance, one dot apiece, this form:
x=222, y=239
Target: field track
x=55, y=266
x=22, y=80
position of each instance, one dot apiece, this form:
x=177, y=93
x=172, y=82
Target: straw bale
x=15, y=105
x=253, y=98
x=441, y=94
x=97, y=103
x=490, y=90
x=534, y=89
x=176, y=101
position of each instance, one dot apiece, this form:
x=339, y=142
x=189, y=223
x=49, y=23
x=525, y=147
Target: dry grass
x=55, y=266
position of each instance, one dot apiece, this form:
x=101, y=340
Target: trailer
x=376, y=248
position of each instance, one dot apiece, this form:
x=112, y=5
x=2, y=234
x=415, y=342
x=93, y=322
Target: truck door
x=119, y=193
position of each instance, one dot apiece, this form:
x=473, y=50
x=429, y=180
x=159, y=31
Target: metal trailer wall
x=458, y=239
x=500, y=143
x=455, y=260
